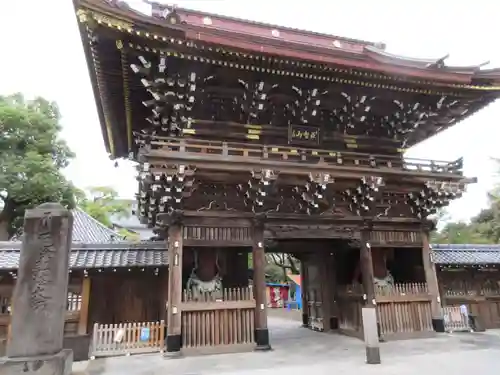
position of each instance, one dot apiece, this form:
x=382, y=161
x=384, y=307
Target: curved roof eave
x=294, y=43
x=419, y=63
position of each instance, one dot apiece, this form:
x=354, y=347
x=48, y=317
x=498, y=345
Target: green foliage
x=274, y=273
x=101, y=203
x=482, y=229
x=461, y=233
x=128, y=235
x=31, y=158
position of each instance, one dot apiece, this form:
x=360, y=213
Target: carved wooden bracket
x=362, y=198
x=434, y=195
x=258, y=188
x=316, y=195
x=172, y=97
x=163, y=192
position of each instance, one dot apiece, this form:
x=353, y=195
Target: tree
x=460, y=233
x=284, y=262
x=31, y=159
x=484, y=228
x=102, y=203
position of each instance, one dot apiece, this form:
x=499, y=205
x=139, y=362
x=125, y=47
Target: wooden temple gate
x=231, y=139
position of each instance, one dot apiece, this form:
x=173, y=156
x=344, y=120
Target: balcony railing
x=297, y=154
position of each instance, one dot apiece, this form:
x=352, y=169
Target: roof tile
x=86, y=229
x=114, y=255
x=466, y=254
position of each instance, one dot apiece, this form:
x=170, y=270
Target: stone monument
x=370, y=332
x=40, y=296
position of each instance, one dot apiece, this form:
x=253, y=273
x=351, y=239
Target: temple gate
x=245, y=133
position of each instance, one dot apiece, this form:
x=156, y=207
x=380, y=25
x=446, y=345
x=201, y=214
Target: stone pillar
x=370, y=333
x=432, y=283
x=259, y=287
x=174, y=333
x=366, y=262
x=40, y=296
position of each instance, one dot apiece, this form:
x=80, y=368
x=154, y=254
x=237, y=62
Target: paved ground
x=301, y=351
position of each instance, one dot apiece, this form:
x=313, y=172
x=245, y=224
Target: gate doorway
x=218, y=304
x=333, y=291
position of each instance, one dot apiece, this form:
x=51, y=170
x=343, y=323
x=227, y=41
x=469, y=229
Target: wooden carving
x=361, y=198
x=434, y=195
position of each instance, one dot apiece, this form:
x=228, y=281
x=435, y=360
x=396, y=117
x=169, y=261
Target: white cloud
x=42, y=55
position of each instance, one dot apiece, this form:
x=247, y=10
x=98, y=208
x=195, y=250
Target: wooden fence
x=127, y=338
x=73, y=306
x=455, y=320
x=404, y=310
x=218, y=322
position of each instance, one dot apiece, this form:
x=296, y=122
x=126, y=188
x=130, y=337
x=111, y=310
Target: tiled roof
x=466, y=254
x=86, y=229
x=98, y=255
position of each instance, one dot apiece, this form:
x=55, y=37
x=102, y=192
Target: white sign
x=119, y=335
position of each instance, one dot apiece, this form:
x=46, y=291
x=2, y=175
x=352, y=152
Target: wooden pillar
x=9, y=328
x=83, y=319
x=164, y=276
x=332, y=272
x=304, y=287
x=432, y=283
x=174, y=334
x=366, y=264
x=325, y=269
x=259, y=286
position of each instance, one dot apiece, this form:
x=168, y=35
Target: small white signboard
x=119, y=335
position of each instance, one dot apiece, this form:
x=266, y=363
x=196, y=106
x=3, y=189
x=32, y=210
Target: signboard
x=145, y=334
x=119, y=335
x=305, y=135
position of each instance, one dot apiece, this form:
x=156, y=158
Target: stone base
x=173, y=343
x=438, y=325
x=56, y=364
x=373, y=355
x=262, y=339
x=305, y=320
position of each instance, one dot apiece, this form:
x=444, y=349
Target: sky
x=41, y=54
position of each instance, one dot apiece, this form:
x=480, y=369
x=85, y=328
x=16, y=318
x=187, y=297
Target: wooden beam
x=284, y=218
x=84, y=309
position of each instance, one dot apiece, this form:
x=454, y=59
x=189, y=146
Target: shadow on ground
x=298, y=350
